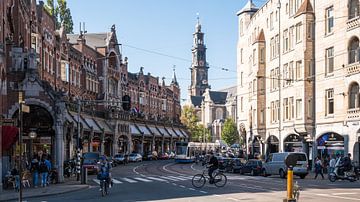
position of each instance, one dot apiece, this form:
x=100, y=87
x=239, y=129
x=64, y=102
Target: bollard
x=290, y=184
x=84, y=175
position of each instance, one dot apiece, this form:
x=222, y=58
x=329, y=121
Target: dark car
x=252, y=166
x=235, y=165
x=90, y=161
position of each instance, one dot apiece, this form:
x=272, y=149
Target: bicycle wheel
x=198, y=180
x=102, y=186
x=220, y=180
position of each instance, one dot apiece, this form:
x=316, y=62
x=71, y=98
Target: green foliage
x=197, y=131
x=229, y=133
x=62, y=14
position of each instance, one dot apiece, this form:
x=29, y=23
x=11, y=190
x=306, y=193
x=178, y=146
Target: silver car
x=275, y=164
x=135, y=157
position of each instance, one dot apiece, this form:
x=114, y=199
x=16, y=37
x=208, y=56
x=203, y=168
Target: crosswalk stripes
x=142, y=179
x=128, y=180
x=157, y=179
x=147, y=179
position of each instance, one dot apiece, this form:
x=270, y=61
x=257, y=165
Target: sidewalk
x=69, y=185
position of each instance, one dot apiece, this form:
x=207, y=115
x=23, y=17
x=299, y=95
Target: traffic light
x=126, y=103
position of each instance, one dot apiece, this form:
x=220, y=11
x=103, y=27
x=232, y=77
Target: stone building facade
x=292, y=94
x=74, y=85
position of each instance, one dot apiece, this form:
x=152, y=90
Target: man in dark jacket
x=213, y=165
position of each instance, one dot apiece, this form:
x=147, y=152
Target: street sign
x=25, y=108
x=291, y=160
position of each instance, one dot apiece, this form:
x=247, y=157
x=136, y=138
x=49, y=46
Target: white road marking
x=142, y=179
x=182, y=186
x=96, y=181
x=129, y=180
x=173, y=172
x=115, y=181
x=344, y=193
x=217, y=195
x=167, y=178
x=174, y=184
x=192, y=189
x=157, y=179
x=233, y=199
x=204, y=192
x=178, y=178
x=134, y=170
x=339, y=197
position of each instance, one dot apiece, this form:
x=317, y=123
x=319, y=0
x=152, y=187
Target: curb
x=47, y=194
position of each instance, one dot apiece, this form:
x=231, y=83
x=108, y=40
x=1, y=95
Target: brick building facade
x=74, y=85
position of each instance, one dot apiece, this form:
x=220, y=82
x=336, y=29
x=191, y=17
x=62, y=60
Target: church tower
x=199, y=67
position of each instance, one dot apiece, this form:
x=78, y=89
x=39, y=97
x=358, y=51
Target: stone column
x=162, y=144
x=102, y=143
x=59, y=140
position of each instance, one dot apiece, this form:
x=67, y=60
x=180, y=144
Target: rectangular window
x=272, y=48
x=286, y=75
x=271, y=20
x=299, y=108
x=298, y=70
x=241, y=78
x=242, y=104
x=291, y=104
x=286, y=109
x=262, y=55
x=310, y=108
x=276, y=78
x=254, y=57
x=277, y=107
x=298, y=32
x=272, y=111
x=262, y=116
x=291, y=72
x=272, y=79
x=241, y=56
x=286, y=41
x=329, y=62
x=277, y=45
x=329, y=96
x=254, y=86
x=329, y=20
x=291, y=38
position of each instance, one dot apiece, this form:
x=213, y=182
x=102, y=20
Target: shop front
x=147, y=139
x=166, y=139
x=330, y=144
x=123, y=144
x=137, y=139
x=272, y=144
x=293, y=143
x=254, y=146
x=158, y=138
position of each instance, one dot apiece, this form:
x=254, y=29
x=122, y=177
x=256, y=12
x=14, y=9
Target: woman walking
x=318, y=168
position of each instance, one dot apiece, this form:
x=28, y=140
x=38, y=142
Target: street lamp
x=32, y=135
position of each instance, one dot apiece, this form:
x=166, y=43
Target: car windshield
x=300, y=157
x=133, y=154
x=91, y=155
x=119, y=155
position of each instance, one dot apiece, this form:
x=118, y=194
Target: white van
x=275, y=164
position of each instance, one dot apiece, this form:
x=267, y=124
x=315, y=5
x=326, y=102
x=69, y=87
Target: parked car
x=111, y=160
x=164, y=156
x=275, y=164
x=235, y=165
x=135, y=157
x=252, y=166
x=90, y=161
x=121, y=158
x=171, y=155
x=147, y=156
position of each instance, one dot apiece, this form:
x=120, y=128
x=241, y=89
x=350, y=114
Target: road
x=167, y=181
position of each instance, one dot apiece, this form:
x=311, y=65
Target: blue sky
x=166, y=26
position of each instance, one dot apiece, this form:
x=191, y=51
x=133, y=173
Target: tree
x=190, y=120
x=62, y=14
x=229, y=133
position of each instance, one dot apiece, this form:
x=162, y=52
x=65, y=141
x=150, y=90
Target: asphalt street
x=168, y=181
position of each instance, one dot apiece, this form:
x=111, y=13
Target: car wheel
x=282, y=174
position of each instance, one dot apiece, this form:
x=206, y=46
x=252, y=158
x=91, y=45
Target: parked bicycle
x=219, y=179
x=296, y=191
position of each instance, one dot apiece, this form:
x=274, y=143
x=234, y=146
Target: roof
x=305, y=8
x=249, y=7
x=218, y=97
x=92, y=39
x=196, y=100
x=232, y=91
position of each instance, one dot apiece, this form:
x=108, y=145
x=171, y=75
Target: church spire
x=198, y=25
x=174, y=80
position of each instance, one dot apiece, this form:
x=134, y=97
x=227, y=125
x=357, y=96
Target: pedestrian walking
x=34, y=168
x=44, y=169
x=318, y=168
x=332, y=164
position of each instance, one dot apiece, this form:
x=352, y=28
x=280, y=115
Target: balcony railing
x=353, y=68
x=353, y=23
x=353, y=113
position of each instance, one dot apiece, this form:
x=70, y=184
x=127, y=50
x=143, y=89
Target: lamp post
x=279, y=78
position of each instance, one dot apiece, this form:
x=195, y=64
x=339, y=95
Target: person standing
x=332, y=164
x=34, y=168
x=318, y=168
x=44, y=169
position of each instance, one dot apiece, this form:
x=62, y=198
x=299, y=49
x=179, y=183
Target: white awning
x=163, y=131
x=144, y=130
x=134, y=130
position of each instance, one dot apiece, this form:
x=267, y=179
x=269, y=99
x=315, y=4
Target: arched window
x=354, y=96
x=219, y=113
x=241, y=27
x=112, y=60
x=354, y=9
x=354, y=50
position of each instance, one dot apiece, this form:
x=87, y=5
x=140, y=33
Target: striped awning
x=104, y=126
x=164, y=132
x=82, y=121
x=155, y=131
x=172, y=132
x=144, y=130
x=92, y=124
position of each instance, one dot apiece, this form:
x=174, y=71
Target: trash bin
x=84, y=175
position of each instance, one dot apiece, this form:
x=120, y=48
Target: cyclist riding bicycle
x=212, y=165
x=104, y=171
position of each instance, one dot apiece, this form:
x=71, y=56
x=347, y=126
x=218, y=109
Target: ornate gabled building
x=211, y=107
x=75, y=86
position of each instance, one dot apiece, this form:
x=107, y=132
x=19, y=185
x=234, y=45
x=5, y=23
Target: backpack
x=43, y=167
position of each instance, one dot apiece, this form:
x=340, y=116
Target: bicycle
x=296, y=191
x=104, y=185
x=219, y=179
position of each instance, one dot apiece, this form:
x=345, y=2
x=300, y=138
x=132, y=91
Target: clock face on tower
x=201, y=63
